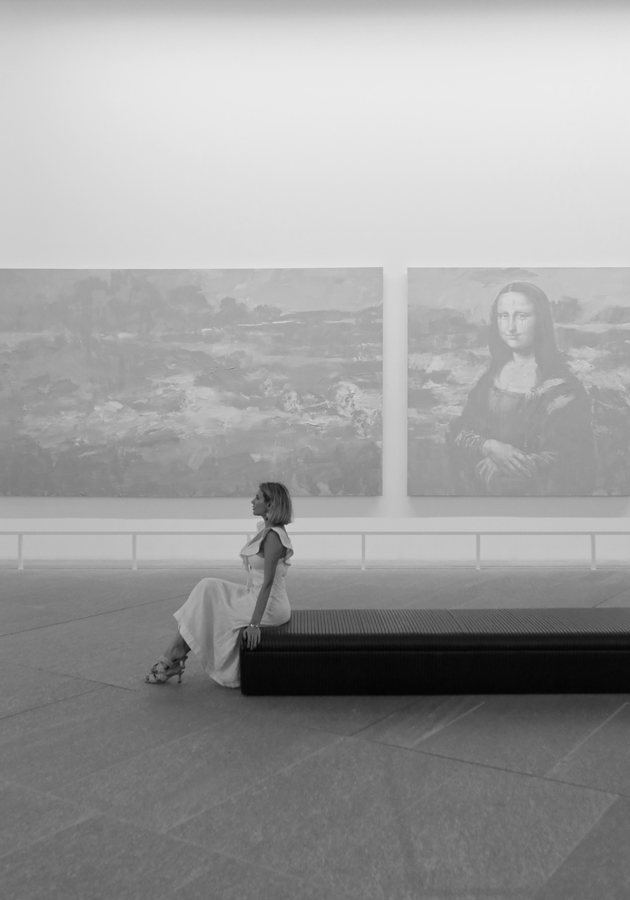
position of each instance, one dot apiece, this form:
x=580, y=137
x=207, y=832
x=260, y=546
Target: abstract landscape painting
x=190, y=383
x=519, y=381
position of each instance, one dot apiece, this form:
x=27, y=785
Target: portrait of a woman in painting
x=525, y=429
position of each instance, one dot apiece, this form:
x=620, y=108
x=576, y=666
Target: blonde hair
x=280, y=510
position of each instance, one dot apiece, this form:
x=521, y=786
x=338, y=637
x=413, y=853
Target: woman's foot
x=172, y=663
x=164, y=669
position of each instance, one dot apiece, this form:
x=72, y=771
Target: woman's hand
x=508, y=459
x=251, y=636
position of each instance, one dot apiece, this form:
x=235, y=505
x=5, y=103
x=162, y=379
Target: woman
x=525, y=429
x=218, y=612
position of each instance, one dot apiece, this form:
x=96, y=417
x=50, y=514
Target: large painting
x=190, y=383
x=519, y=382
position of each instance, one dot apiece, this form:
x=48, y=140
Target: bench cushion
x=315, y=629
x=442, y=651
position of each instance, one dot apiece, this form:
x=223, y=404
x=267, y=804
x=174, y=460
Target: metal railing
x=134, y=535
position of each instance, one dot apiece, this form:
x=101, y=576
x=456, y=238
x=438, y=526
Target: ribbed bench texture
x=442, y=651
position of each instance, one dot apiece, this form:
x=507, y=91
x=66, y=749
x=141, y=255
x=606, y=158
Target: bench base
x=308, y=672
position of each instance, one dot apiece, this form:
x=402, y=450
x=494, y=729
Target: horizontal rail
x=364, y=534
x=243, y=531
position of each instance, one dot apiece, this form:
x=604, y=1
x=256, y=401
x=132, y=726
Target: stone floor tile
x=114, y=663
x=164, y=786
x=24, y=727
x=116, y=648
x=618, y=600
x=420, y=719
x=337, y=715
x=41, y=609
x=481, y=835
x=602, y=759
x=29, y=816
x=33, y=599
x=102, y=859
x=235, y=879
x=524, y=589
x=296, y=818
x=518, y=732
x=71, y=740
x=176, y=755
x=599, y=867
x=25, y=688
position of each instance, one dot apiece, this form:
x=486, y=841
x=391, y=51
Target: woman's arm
x=469, y=431
x=273, y=551
x=510, y=459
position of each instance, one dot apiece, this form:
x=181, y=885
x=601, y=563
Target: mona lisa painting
x=519, y=382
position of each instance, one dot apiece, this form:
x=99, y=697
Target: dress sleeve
x=465, y=439
x=469, y=431
x=566, y=438
x=284, y=538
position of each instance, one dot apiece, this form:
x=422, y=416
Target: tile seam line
x=299, y=882
x=112, y=765
x=21, y=712
x=430, y=734
x=378, y=828
x=187, y=843
x=187, y=736
x=89, y=814
x=404, y=706
x=341, y=739
x=100, y=686
x=93, y=813
x=256, y=784
x=586, y=738
x=608, y=599
x=283, y=872
x=91, y=616
x=575, y=847
x=372, y=832
x=491, y=768
x=50, y=671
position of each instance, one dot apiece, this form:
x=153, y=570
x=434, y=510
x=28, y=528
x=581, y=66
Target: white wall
x=201, y=134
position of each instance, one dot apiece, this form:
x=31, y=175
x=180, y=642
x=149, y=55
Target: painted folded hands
x=503, y=463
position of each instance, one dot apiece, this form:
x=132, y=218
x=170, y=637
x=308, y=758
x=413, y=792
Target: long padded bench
x=442, y=651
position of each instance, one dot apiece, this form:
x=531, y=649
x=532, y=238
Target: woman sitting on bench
x=218, y=612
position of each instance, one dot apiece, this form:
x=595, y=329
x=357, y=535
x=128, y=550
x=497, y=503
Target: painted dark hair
x=280, y=510
x=548, y=357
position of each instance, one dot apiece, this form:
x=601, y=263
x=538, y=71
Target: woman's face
x=259, y=505
x=516, y=320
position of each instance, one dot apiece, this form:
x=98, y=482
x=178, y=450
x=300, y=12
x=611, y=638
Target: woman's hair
x=280, y=510
x=548, y=357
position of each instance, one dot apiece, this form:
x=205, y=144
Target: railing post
x=478, y=552
x=593, y=554
x=134, y=552
x=20, y=552
x=363, y=565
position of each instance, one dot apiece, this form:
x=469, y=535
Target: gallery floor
x=115, y=789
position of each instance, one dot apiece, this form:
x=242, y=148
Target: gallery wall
x=317, y=134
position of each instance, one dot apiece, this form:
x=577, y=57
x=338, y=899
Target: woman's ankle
x=178, y=649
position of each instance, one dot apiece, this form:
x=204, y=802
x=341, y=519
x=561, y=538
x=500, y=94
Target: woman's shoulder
x=280, y=532
x=561, y=381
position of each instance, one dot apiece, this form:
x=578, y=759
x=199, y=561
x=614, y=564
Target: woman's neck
x=523, y=359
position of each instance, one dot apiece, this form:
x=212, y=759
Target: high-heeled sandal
x=171, y=662
x=166, y=668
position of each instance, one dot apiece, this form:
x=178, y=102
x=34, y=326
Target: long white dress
x=210, y=621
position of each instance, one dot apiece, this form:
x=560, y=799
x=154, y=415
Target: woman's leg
x=178, y=649
x=172, y=663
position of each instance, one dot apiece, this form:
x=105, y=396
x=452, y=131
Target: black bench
x=442, y=651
